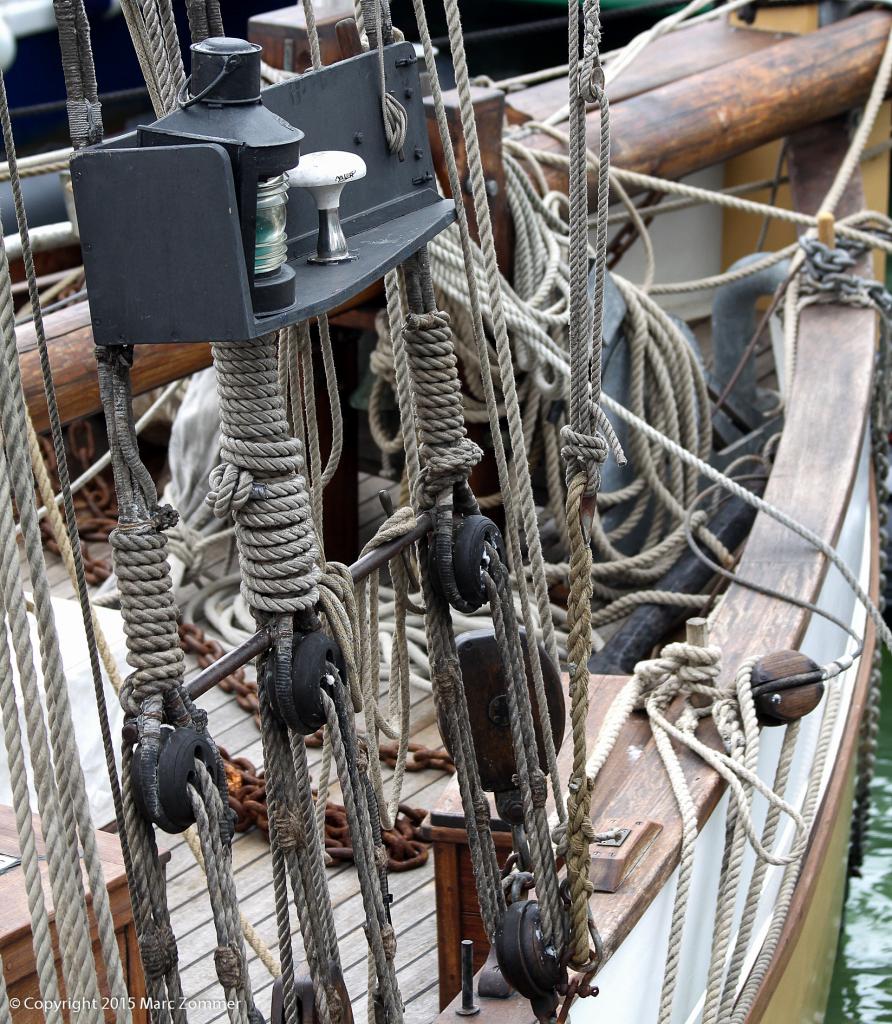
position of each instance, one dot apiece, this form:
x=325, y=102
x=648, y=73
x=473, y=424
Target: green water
x=862, y=979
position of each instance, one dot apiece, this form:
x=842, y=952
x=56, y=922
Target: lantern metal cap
x=225, y=70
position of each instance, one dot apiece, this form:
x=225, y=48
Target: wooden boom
x=70, y=343
x=705, y=118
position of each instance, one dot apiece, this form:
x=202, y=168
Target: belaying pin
x=468, y=1007
x=324, y=175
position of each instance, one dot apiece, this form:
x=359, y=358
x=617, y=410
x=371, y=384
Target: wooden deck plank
x=413, y=933
x=195, y=932
x=233, y=740
x=252, y=874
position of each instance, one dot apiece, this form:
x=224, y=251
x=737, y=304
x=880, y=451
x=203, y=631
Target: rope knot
x=159, y=950
x=584, y=453
x=335, y=1003
x=682, y=668
x=481, y=813
x=396, y=122
x=538, y=787
x=289, y=831
x=164, y=517
x=445, y=681
x=433, y=320
x=229, y=965
x=230, y=489
x=694, y=666
x=362, y=755
x=388, y=941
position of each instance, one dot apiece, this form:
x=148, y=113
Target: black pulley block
x=296, y=696
x=456, y=564
x=526, y=962
x=161, y=788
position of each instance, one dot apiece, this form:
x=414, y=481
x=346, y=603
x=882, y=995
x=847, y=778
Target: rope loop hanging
x=260, y=481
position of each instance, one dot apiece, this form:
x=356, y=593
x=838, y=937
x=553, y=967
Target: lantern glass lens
x=271, y=249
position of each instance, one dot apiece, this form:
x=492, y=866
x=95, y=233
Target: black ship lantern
x=243, y=211
x=220, y=105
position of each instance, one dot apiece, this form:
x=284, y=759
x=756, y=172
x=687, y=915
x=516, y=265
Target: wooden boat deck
x=413, y=891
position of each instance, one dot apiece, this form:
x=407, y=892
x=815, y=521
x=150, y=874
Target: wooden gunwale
x=688, y=51
x=812, y=479
x=833, y=803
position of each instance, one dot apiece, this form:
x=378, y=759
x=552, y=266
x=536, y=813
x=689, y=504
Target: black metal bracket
x=164, y=234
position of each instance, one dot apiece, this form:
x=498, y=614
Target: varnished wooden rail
x=735, y=105
x=70, y=343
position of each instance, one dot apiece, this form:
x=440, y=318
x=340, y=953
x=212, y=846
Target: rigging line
x=726, y=199
x=517, y=483
x=674, y=205
x=104, y=460
x=776, y=300
x=65, y=789
x=834, y=667
x=772, y=199
x=623, y=58
x=62, y=469
x=584, y=449
x=743, y=205
x=678, y=452
x=113, y=964
x=658, y=208
x=53, y=307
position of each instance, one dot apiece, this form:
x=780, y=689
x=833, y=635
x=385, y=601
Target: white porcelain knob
x=324, y=175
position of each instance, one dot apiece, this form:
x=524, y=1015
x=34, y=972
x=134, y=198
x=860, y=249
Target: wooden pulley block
x=786, y=686
x=485, y=689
